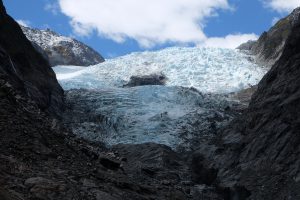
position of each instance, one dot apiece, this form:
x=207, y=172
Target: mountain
x=268, y=48
x=61, y=50
x=22, y=68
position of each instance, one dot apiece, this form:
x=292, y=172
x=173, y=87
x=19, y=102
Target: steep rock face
x=60, y=50
x=269, y=46
x=272, y=131
x=261, y=150
x=24, y=68
x=247, y=45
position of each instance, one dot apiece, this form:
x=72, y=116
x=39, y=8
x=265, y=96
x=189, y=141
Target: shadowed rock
x=152, y=79
x=260, y=150
x=26, y=69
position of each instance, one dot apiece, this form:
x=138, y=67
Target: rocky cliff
x=22, y=67
x=259, y=153
x=269, y=46
x=61, y=50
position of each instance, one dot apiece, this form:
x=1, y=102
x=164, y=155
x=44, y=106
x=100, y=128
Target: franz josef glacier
x=193, y=102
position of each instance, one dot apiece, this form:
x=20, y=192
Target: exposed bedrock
x=269, y=47
x=152, y=79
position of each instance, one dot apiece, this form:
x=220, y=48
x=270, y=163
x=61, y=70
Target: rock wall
x=25, y=69
x=260, y=151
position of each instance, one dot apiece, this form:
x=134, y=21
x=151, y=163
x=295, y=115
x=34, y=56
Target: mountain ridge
x=268, y=48
x=61, y=50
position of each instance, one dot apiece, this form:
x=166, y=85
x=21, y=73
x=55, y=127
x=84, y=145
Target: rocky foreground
x=255, y=157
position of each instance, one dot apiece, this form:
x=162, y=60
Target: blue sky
x=118, y=27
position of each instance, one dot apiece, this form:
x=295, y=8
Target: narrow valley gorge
x=182, y=123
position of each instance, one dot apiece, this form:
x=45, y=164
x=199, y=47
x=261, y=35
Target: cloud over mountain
x=282, y=6
x=231, y=41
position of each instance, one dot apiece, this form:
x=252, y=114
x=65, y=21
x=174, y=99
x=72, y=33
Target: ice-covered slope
x=61, y=50
x=175, y=114
x=207, y=69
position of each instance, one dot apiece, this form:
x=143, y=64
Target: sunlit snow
x=207, y=69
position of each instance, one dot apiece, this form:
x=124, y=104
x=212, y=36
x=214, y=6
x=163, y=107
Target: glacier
x=193, y=104
x=213, y=70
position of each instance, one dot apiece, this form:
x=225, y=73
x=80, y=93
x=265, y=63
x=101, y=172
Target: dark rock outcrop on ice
x=25, y=69
x=260, y=151
x=268, y=48
x=247, y=46
x=61, y=50
x=152, y=79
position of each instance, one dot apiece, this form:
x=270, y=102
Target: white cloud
x=22, y=22
x=52, y=7
x=230, y=41
x=149, y=22
x=81, y=29
x=282, y=6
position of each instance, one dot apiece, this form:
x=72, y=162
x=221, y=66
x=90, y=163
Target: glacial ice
x=210, y=70
x=175, y=114
x=167, y=115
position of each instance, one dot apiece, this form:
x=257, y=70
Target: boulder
x=152, y=79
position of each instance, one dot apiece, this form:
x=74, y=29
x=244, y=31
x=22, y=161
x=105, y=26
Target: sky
x=119, y=27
